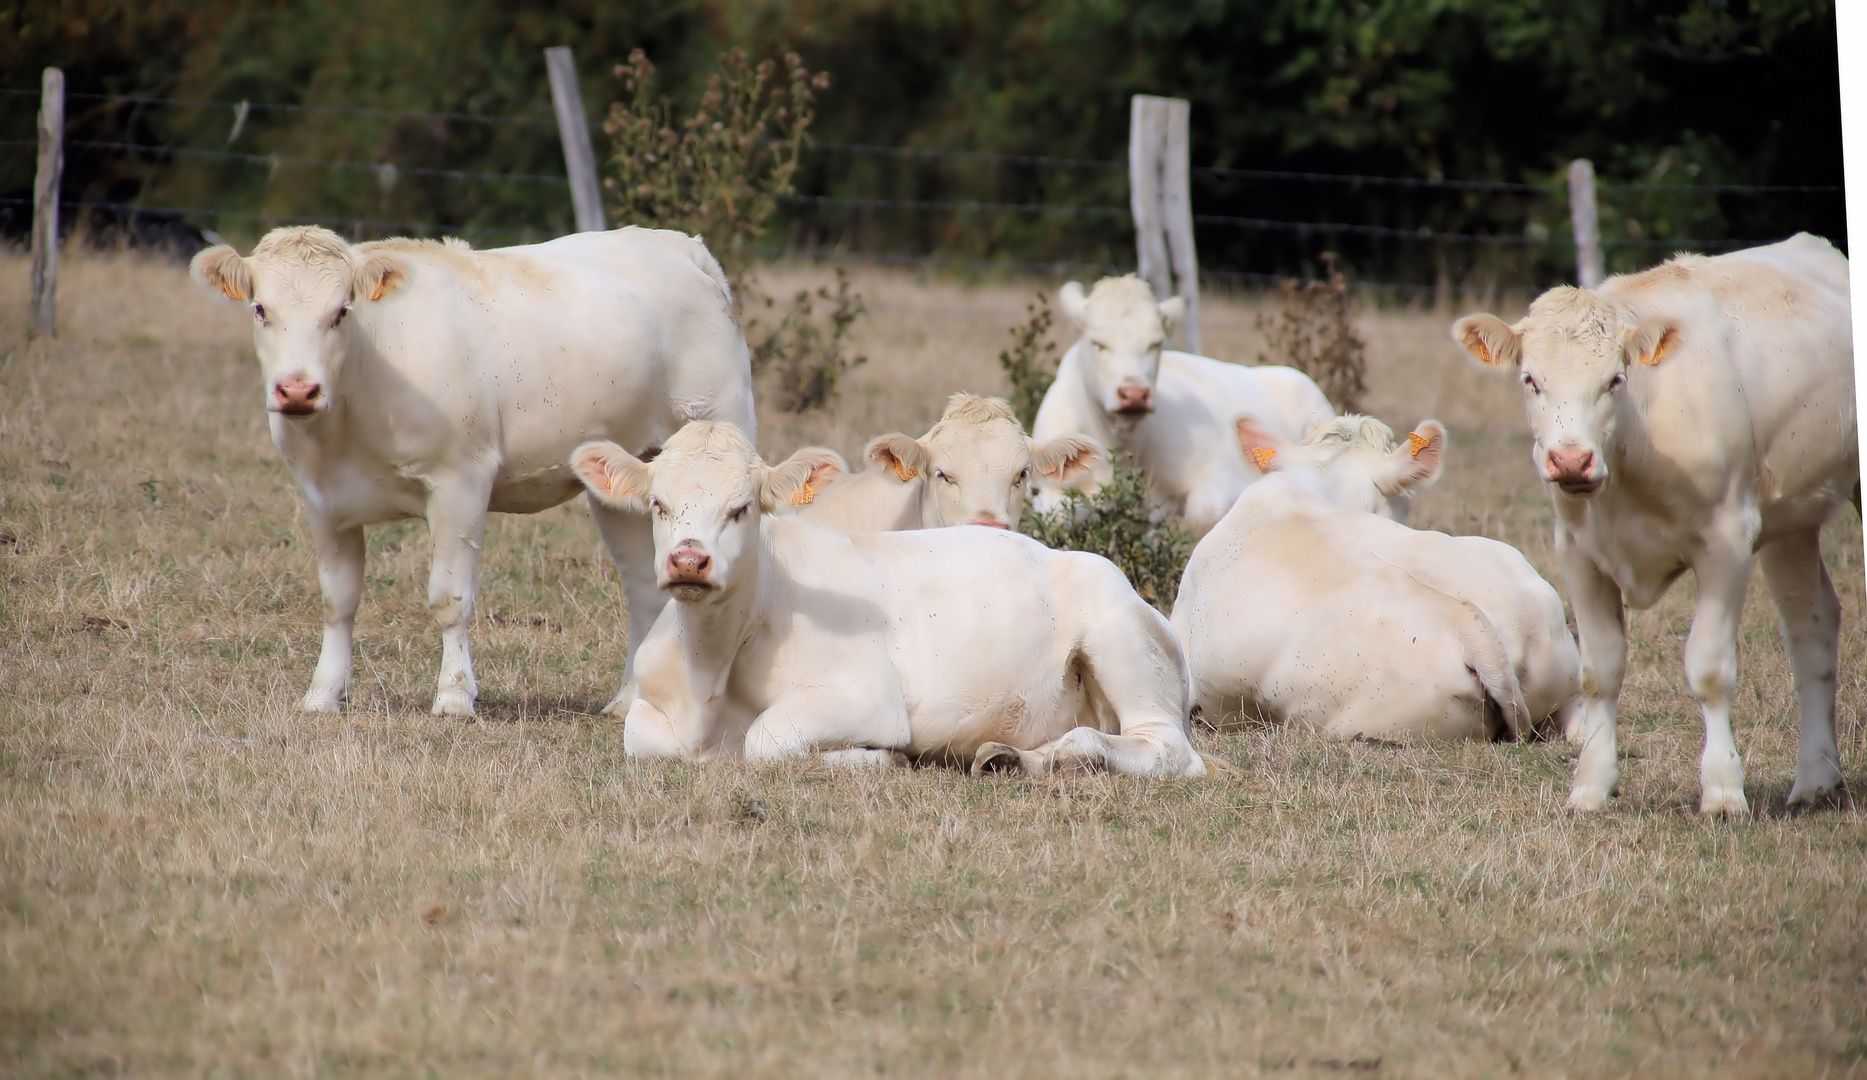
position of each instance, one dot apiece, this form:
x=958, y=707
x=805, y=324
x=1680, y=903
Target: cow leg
x=631, y=542
x=1601, y=625
x=838, y=718
x=1711, y=668
x=1805, y=598
x=456, y=523
x=340, y=579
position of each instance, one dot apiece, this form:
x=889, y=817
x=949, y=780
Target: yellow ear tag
x=903, y=471
x=1658, y=351
x=1484, y=351
x=1263, y=455
x=1418, y=442
x=804, y=496
x=381, y=287
x=232, y=293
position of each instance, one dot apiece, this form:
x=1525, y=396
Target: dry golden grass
x=196, y=880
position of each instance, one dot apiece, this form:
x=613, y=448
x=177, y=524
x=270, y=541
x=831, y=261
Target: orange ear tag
x=232, y=293
x=1418, y=442
x=804, y=496
x=903, y=471
x=1263, y=455
x=381, y=286
x=1658, y=351
x=1484, y=351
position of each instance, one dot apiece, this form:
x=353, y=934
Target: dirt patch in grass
x=196, y=879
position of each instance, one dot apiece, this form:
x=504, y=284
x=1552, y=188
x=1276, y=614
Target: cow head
x=301, y=284
x=1574, y=353
x=979, y=463
x=704, y=493
x=1123, y=332
x=1351, y=461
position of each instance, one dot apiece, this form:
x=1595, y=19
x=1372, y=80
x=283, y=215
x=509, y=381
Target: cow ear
x=377, y=276
x=899, y=454
x=1172, y=310
x=1418, y=461
x=1489, y=340
x=1067, y=457
x=800, y=477
x=615, y=476
x=1649, y=342
x=1260, y=444
x=1073, y=302
x=222, y=270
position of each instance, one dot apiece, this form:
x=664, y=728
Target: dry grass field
x=195, y=880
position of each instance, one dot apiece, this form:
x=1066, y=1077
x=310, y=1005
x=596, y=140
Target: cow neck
x=1088, y=408
x=712, y=633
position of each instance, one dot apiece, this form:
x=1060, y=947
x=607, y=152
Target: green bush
x=1030, y=364
x=806, y=360
x=1122, y=523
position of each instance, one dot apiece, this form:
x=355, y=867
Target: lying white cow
x=1685, y=418
x=415, y=379
x=974, y=467
x=1172, y=410
x=972, y=646
x=1308, y=606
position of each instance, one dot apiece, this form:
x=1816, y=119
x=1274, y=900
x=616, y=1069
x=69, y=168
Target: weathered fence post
x=1589, y=269
x=45, y=204
x=586, y=195
x=1160, y=195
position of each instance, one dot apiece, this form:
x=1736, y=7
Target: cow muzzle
x=1573, y=471
x=1134, y=400
x=298, y=397
x=688, y=568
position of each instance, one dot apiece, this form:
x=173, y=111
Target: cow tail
x=1487, y=656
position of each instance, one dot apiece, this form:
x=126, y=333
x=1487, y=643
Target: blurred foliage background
x=1675, y=96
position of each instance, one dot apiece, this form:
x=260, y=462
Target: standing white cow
x=975, y=467
x=1685, y=418
x=972, y=646
x=1308, y=606
x=1172, y=410
x=411, y=378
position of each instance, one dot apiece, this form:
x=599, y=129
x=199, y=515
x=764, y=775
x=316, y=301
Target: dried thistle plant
x=1315, y=333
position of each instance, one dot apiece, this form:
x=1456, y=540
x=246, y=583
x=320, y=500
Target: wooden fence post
x=586, y=195
x=1160, y=196
x=45, y=204
x=1589, y=266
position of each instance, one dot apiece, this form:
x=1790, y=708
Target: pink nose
x=991, y=523
x=687, y=566
x=297, y=397
x=1570, y=468
x=1133, y=399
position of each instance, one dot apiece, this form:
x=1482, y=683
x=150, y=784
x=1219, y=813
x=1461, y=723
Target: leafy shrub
x=1030, y=364
x=1315, y=333
x=1121, y=523
x=806, y=361
x=718, y=174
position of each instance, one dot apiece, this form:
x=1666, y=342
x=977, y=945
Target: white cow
x=974, y=467
x=1172, y=410
x=977, y=647
x=1308, y=606
x=417, y=379
x=1686, y=418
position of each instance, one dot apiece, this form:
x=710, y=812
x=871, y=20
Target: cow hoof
x=1588, y=800
x=453, y=703
x=997, y=757
x=1824, y=789
x=1724, y=802
x=322, y=703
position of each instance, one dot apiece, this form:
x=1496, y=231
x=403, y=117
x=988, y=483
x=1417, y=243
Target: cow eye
x=337, y=319
x=655, y=508
x=1024, y=474
x=1530, y=381
x=738, y=512
x=1619, y=380
x=939, y=475
x=259, y=312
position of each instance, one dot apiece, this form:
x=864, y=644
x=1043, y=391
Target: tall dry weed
x=1314, y=332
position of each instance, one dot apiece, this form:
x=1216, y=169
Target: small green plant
x=1122, y=523
x=806, y=360
x=1030, y=364
x=1315, y=333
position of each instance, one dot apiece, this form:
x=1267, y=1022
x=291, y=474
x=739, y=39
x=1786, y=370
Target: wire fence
x=536, y=204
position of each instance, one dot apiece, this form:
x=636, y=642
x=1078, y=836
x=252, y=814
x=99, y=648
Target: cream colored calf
x=1172, y=410
x=1688, y=418
x=977, y=647
x=1307, y=606
x=414, y=379
x=975, y=467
